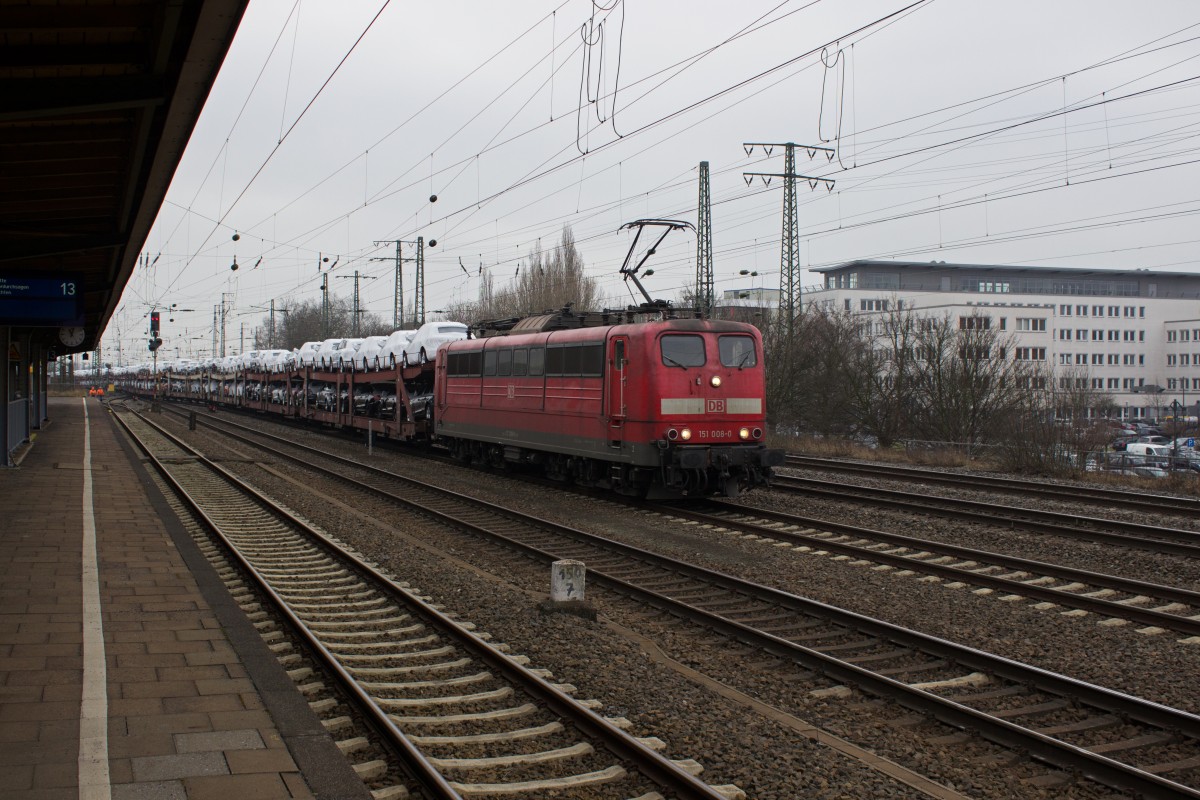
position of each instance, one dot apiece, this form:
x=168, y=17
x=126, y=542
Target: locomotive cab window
x=737, y=351
x=520, y=361
x=489, y=363
x=683, y=351
x=504, y=362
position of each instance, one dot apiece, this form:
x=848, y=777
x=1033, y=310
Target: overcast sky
x=332, y=123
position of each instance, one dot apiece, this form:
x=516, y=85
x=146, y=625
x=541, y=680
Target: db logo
x=716, y=407
x=512, y=391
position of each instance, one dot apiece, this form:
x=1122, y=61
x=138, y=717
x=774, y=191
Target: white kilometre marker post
x=567, y=579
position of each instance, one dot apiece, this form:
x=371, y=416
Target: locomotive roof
x=599, y=331
x=568, y=319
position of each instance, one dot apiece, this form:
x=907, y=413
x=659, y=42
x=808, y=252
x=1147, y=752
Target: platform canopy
x=97, y=101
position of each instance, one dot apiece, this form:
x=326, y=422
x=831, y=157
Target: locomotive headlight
x=744, y=433
x=685, y=434
x=672, y=434
x=716, y=381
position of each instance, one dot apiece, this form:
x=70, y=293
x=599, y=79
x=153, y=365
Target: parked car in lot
x=1149, y=472
x=425, y=342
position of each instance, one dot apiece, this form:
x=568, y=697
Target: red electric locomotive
x=661, y=409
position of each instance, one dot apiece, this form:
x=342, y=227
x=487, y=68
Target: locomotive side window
x=554, y=360
x=504, y=362
x=520, y=361
x=463, y=365
x=537, y=361
x=489, y=363
x=475, y=364
x=737, y=351
x=572, y=360
x=683, y=351
x=592, y=360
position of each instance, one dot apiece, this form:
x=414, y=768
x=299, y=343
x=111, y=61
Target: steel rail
x=1097, y=605
x=1156, y=503
x=1174, y=541
x=1053, y=751
x=649, y=763
x=412, y=757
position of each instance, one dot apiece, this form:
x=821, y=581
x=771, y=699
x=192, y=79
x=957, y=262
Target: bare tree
x=967, y=384
x=544, y=281
x=883, y=375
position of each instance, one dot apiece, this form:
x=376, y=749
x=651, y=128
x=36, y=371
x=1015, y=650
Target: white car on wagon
x=425, y=342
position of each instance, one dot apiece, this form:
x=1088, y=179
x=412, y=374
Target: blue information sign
x=40, y=301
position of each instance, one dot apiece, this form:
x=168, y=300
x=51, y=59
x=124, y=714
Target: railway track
x=460, y=717
x=1082, y=729
x=1138, y=536
x=1114, y=598
x=1139, y=501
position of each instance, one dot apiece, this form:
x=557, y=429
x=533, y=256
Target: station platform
x=127, y=671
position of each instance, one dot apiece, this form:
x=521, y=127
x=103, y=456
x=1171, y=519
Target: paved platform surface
x=126, y=669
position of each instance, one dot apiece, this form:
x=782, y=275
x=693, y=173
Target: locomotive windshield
x=737, y=351
x=683, y=350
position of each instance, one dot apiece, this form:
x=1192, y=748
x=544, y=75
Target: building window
x=1064, y=311
x=1128, y=335
x=1064, y=334
x=873, y=305
x=1141, y=359
x=1142, y=311
x=847, y=303
x=1031, y=354
x=1141, y=336
x=1113, y=359
x=1004, y=323
x=1170, y=336
x=974, y=323
x=1081, y=359
x=1097, y=383
x=1127, y=383
x=1114, y=383
x=1114, y=311
x=852, y=281
x=1185, y=335
x=1127, y=359
x=1097, y=336
x=1064, y=358
x=1171, y=383
x=1081, y=311
x=1098, y=359
x=1002, y=287
x=1184, y=360
x=1129, y=311
x=1031, y=323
